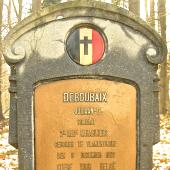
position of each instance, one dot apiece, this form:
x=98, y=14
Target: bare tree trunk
x=36, y=5
x=9, y=15
x=134, y=6
x=163, y=70
x=152, y=13
x=1, y=7
x=146, y=9
x=20, y=10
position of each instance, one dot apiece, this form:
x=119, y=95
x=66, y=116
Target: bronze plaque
x=85, y=124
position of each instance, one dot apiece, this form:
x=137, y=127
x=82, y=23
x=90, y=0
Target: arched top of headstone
x=84, y=8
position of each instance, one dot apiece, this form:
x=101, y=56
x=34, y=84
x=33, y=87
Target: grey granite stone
x=35, y=50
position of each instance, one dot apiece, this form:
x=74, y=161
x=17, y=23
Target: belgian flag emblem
x=85, y=46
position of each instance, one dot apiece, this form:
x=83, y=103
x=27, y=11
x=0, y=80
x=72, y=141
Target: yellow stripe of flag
x=86, y=59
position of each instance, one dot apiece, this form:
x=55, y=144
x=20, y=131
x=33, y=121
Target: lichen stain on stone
x=130, y=40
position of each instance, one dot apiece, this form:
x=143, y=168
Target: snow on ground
x=161, y=156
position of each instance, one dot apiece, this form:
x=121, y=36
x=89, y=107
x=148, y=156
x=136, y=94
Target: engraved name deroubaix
x=71, y=97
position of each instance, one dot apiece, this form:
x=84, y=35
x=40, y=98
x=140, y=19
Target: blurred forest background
x=155, y=12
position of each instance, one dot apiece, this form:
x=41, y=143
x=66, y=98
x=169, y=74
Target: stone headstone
x=84, y=88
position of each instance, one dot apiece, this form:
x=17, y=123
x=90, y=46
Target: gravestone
x=84, y=88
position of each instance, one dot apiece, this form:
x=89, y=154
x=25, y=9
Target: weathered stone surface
x=132, y=54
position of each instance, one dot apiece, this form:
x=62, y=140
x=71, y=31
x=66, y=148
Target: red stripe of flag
x=98, y=46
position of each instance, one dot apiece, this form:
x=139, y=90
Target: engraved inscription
x=87, y=110
x=85, y=166
x=85, y=97
x=85, y=124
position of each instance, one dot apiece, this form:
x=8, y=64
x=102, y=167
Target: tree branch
x=15, y=9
